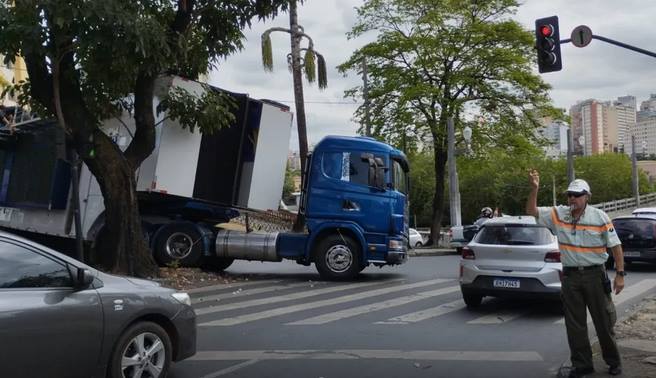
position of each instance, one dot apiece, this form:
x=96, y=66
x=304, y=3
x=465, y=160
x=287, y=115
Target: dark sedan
x=638, y=236
x=62, y=318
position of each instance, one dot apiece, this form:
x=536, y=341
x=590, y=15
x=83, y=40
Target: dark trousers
x=581, y=289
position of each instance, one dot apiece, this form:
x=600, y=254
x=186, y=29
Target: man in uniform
x=584, y=233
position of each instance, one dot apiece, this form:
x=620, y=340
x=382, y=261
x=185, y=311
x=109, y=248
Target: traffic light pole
x=616, y=43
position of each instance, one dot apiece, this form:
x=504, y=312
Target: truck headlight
x=396, y=245
x=182, y=298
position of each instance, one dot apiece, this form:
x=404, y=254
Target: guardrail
x=625, y=203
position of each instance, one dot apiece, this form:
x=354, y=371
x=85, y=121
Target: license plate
x=506, y=283
x=631, y=253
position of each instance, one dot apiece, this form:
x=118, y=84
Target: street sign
x=581, y=36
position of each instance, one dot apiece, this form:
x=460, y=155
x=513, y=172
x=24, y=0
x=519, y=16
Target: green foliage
x=111, y=42
x=288, y=186
x=422, y=187
x=500, y=179
x=209, y=112
x=435, y=59
x=267, y=51
x=323, y=74
x=309, y=65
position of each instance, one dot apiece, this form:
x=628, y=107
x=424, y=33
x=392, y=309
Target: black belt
x=579, y=268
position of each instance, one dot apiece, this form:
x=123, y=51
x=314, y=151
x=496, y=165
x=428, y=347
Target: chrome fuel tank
x=259, y=246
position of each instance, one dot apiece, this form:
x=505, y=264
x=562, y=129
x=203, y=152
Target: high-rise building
x=621, y=121
x=588, y=127
x=555, y=132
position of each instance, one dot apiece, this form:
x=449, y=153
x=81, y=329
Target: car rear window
x=635, y=228
x=510, y=234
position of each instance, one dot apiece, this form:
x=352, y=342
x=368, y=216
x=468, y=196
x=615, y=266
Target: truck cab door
x=342, y=191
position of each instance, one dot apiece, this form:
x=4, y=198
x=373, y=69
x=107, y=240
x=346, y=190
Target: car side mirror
x=83, y=279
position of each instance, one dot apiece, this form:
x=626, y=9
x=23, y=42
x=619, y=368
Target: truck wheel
x=217, y=264
x=179, y=242
x=142, y=350
x=337, y=258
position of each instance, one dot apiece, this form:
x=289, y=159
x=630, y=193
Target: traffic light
x=548, y=44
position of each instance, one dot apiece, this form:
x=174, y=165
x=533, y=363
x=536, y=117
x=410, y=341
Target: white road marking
x=354, y=354
x=287, y=297
x=432, y=312
x=231, y=285
x=365, y=309
x=626, y=294
x=327, y=302
x=499, y=317
x=259, y=290
x=230, y=369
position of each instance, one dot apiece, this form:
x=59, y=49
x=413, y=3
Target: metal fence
x=626, y=203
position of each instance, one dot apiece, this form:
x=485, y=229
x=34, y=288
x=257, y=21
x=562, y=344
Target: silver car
x=62, y=318
x=510, y=257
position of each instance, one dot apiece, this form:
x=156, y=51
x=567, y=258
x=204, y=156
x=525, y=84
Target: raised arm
x=532, y=201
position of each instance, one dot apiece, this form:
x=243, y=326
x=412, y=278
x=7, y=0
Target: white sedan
x=416, y=240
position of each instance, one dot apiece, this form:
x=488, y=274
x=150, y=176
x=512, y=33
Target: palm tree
x=295, y=62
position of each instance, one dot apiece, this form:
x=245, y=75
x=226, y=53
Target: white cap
x=579, y=186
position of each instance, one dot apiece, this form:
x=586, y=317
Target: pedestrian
x=485, y=215
x=584, y=233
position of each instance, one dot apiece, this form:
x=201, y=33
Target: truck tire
x=178, y=242
x=217, y=264
x=337, y=258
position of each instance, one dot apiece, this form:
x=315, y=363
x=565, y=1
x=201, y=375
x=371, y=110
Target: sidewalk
x=636, y=338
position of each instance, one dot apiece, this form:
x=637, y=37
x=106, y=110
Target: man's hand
x=534, y=178
x=618, y=284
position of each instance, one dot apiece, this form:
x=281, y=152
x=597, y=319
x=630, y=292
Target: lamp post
x=454, y=190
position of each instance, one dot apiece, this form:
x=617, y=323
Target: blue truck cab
x=355, y=201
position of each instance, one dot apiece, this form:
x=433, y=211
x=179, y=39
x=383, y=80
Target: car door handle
x=349, y=205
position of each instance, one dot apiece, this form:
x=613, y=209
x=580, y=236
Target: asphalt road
x=406, y=321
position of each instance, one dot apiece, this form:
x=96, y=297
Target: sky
x=599, y=70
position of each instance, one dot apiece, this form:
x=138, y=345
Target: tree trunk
x=121, y=245
x=299, y=224
x=438, y=198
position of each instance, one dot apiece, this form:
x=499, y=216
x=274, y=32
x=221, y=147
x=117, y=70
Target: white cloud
x=600, y=70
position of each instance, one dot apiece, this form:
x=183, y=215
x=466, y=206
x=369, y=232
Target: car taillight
x=553, y=256
x=468, y=254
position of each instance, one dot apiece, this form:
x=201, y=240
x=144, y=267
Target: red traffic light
x=546, y=30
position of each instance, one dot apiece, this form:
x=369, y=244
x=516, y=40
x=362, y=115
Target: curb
x=420, y=252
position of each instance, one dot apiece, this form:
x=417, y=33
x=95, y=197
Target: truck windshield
x=399, y=177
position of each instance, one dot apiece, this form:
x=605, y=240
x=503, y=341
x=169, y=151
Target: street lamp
x=467, y=134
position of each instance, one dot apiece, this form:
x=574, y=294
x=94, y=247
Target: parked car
x=62, y=318
x=644, y=211
x=510, y=257
x=416, y=240
x=638, y=236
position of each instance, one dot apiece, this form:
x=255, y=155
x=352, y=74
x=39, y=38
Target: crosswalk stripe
x=287, y=297
x=432, y=312
x=260, y=290
x=357, y=354
x=327, y=302
x=628, y=293
x=231, y=285
x=354, y=311
x=499, y=317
